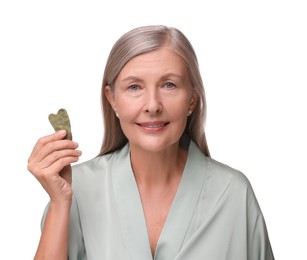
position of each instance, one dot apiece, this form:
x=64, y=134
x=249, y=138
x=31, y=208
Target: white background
x=253, y=58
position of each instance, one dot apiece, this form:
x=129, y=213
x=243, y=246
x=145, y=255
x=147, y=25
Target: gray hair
x=138, y=41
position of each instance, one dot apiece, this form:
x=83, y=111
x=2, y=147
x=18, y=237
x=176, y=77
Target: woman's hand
x=50, y=163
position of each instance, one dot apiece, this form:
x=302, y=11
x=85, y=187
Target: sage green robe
x=214, y=216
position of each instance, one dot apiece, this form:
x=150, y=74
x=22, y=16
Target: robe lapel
x=183, y=206
x=130, y=208
x=180, y=214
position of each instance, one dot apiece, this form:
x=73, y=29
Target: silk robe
x=214, y=216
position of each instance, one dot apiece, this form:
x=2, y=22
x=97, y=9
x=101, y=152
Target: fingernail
x=61, y=132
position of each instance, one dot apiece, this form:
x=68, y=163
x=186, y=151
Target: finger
x=47, y=139
x=57, y=155
x=59, y=165
x=55, y=146
x=44, y=173
x=39, y=168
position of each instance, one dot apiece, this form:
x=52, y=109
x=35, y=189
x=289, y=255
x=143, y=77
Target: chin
x=154, y=146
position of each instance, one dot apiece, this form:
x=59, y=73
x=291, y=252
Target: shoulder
x=221, y=180
x=220, y=171
x=232, y=183
x=216, y=171
x=224, y=188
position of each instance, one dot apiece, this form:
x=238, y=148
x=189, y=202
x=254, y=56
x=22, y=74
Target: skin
x=153, y=98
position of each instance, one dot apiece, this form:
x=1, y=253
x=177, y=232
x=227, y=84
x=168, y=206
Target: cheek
x=179, y=107
x=128, y=112
x=125, y=107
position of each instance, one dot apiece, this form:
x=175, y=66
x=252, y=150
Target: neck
x=152, y=169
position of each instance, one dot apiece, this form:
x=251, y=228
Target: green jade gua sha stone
x=61, y=121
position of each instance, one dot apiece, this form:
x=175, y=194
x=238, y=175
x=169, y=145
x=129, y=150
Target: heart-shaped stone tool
x=61, y=121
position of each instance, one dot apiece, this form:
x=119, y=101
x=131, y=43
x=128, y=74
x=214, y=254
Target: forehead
x=157, y=62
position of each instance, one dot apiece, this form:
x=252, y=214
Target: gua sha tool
x=61, y=121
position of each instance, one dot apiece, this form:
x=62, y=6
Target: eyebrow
x=168, y=75
x=131, y=78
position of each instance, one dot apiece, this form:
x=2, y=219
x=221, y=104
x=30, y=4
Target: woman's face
x=153, y=98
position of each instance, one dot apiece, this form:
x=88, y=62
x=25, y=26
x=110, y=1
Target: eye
x=169, y=85
x=133, y=87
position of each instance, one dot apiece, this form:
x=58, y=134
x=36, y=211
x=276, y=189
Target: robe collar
x=180, y=214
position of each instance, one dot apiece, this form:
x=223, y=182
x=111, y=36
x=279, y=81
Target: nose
x=153, y=103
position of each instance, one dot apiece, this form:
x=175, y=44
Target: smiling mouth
x=153, y=125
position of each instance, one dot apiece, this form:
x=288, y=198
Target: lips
x=153, y=125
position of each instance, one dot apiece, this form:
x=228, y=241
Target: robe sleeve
x=76, y=248
x=258, y=243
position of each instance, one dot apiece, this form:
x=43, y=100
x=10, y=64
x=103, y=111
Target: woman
x=153, y=192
